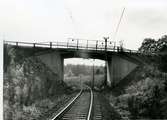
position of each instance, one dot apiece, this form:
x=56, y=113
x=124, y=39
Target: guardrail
x=76, y=44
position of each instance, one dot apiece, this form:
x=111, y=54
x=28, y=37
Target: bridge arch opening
x=79, y=71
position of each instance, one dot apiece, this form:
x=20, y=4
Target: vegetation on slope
x=146, y=96
x=30, y=87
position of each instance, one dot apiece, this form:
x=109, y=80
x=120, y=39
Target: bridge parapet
x=83, y=44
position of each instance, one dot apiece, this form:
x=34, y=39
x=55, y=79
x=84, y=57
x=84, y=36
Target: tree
x=162, y=48
x=98, y=72
x=69, y=74
x=148, y=45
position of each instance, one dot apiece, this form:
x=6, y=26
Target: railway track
x=80, y=108
x=97, y=111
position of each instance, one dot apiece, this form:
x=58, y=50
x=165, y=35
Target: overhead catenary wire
x=119, y=22
x=73, y=21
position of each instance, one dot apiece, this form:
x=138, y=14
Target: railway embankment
x=30, y=87
x=144, y=97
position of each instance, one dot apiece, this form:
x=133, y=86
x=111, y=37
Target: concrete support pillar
x=108, y=64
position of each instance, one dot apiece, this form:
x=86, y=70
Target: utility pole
x=105, y=69
x=93, y=78
x=80, y=81
x=105, y=39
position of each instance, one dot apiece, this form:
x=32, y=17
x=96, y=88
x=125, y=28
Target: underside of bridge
x=118, y=65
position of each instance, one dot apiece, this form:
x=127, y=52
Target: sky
x=82, y=61
x=57, y=20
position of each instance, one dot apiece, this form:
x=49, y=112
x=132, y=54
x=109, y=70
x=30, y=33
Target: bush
x=152, y=104
x=133, y=107
x=146, y=106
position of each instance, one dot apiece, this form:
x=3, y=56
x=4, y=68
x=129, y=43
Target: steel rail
x=71, y=102
x=91, y=104
x=88, y=117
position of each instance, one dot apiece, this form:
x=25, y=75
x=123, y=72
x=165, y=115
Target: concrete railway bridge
x=120, y=62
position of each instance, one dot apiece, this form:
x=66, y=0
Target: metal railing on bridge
x=98, y=45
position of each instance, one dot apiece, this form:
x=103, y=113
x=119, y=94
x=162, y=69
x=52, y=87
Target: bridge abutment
x=118, y=68
x=55, y=62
